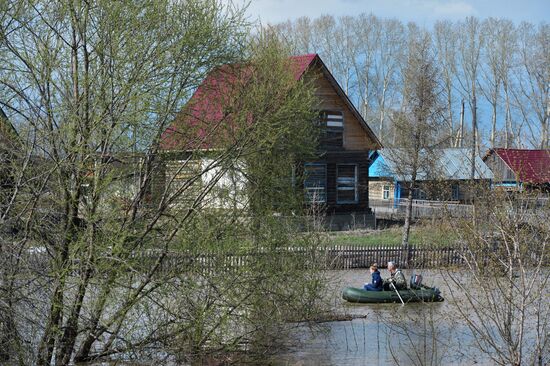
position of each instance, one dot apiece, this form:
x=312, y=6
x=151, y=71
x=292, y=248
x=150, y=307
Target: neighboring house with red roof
x=519, y=168
x=338, y=179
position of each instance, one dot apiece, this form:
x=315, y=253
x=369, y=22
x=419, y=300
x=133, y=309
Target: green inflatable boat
x=419, y=294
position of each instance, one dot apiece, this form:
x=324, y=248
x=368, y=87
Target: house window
x=346, y=183
x=419, y=194
x=332, y=123
x=455, y=192
x=386, y=192
x=315, y=182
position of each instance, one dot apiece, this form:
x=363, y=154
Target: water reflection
x=414, y=334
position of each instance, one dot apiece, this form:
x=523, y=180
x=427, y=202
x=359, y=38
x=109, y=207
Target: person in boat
x=396, y=277
x=376, y=284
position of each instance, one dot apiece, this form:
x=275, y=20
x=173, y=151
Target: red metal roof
x=531, y=166
x=195, y=125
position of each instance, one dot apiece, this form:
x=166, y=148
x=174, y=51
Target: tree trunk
x=450, y=111
x=494, y=124
x=508, y=122
x=407, y=228
x=382, y=111
x=544, y=137
x=474, y=137
x=460, y=139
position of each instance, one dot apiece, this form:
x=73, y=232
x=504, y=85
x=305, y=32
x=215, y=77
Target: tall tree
x=533, y=79
x=94, y=85
x=418, y=124
x=365, y=31
x=471, y=42
x=445, y=39
x=388, y=57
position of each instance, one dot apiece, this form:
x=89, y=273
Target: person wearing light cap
x=396, y=277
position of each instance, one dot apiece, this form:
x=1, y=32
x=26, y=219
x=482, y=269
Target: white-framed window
x=346, y=183
x=315, y=182
x=333, y=124
x=386, y=192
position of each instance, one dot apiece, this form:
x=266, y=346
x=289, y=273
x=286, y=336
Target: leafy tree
x=102, y=261
x=417, y=125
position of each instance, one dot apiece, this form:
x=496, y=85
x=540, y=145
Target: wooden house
x=446, y=181
x=338, y=179
x=518, y=169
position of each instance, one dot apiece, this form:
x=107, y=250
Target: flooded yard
x=413, y=334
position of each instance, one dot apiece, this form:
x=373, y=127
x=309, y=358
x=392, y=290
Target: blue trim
x=377, y=167
x=396, y=193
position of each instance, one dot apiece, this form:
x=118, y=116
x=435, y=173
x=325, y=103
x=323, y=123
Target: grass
x=420, y=235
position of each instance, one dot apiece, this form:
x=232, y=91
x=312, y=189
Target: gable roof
x=531, y=166
x=451, y=164
x=206, y=107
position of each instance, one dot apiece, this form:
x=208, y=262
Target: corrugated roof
x=457, y=163
x=193, y=127
x=205, y=108
x=531, y=166
x=451, y=164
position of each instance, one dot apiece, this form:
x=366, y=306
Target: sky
x=423, y=12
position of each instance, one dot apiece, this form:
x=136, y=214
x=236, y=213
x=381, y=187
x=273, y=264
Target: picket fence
x=337, y=257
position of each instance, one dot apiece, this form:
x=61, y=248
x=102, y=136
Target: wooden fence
x=348, y=257
x=336, y=257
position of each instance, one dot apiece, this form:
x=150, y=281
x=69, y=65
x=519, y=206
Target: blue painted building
x=451, y=169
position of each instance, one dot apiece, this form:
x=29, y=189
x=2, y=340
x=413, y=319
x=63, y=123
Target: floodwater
x=413, y=334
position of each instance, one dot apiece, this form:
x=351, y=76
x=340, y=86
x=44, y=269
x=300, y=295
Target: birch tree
x=492, y=75
x=471, y=42
x=417, y=126
x=367, y=42
x=388, y=57
x=445, y=39
x=533, y=90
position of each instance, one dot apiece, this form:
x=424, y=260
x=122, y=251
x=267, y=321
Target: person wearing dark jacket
x=376, y=284
x=397, y=278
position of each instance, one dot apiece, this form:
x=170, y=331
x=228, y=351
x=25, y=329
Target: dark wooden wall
x=332, y=159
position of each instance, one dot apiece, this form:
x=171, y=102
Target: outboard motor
x=416, y=281
x=438, y=296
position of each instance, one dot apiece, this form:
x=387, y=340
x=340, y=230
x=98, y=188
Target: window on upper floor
x=332, y=123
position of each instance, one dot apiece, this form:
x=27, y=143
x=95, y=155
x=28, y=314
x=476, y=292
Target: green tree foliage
x=101, y=260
